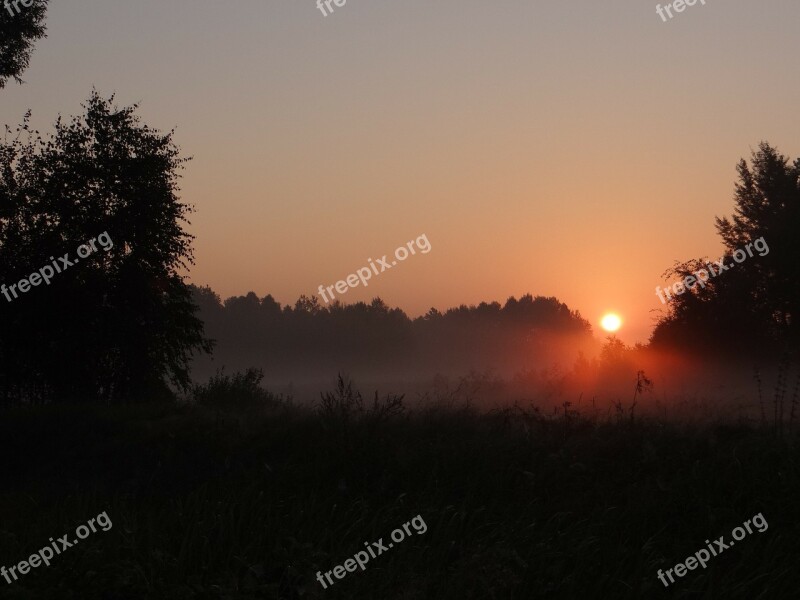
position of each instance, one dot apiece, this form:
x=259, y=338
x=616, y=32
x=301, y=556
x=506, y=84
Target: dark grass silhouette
x=212, y=501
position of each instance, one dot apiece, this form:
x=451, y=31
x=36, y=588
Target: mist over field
x=527, y=350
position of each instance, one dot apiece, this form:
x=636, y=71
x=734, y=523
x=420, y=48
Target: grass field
x=251, y=503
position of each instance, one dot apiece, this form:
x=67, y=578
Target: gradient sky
x=568, y=149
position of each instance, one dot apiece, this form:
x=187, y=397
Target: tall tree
x=119, y=324
x=20, y=27
x=754, y=307
x=768, y=206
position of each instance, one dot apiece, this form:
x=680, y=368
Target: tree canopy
x=120, y=323
x=18, y=32
x=751, y=309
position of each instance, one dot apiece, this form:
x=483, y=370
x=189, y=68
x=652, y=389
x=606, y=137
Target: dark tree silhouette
x=18, y=32
x=310, y=338
x=120, y=324
x=751, y=309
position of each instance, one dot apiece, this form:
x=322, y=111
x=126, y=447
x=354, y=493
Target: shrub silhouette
x=240, y=390
x=345, y=404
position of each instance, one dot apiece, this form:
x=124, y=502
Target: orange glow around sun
x=611, y=322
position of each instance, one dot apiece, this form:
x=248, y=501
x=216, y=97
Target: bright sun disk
x=610, y=322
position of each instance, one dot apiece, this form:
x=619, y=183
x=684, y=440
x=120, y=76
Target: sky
x=569, y=149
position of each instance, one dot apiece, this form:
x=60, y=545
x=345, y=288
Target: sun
x=610, y=322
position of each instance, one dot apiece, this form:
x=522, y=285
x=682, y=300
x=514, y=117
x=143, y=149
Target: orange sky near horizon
x=573, y=149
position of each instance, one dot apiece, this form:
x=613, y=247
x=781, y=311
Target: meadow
x=240, y=494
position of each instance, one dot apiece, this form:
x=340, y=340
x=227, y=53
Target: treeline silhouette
x=383, y=341
x=750, y=312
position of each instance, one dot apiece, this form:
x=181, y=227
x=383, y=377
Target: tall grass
x=518, y=505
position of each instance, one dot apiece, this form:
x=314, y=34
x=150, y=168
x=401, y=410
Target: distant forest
x=294, y=341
